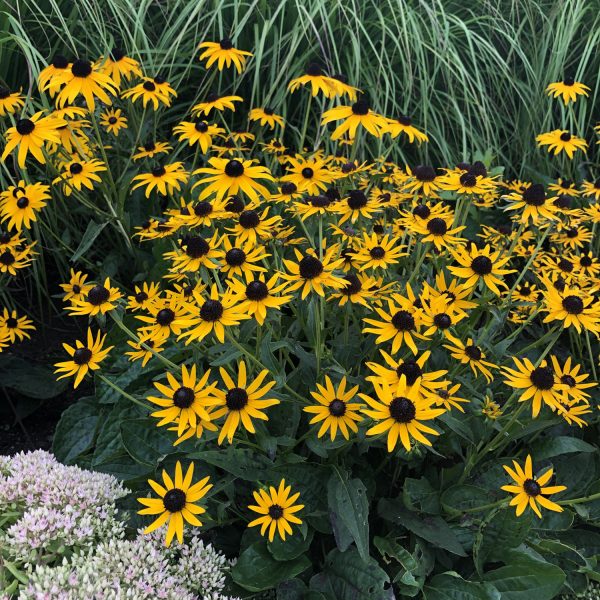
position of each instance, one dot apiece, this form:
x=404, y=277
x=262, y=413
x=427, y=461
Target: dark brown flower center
x=212, y=310
x=98, y=295
x=174, y=500
x=532, y=487
x=81, y=68
x=310, y=267
x=337, y=408
x=234, y=168
x=236, y=398
x=184, y=397
x=573, y=305
x=402, y=410
x=542, y=378
x=82, y=356
x=403, y=321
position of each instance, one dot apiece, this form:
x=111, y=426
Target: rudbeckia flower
x=99, y=300
x=572, y=307
x=176, y=503
x=165, y=178
x=352, y=116
x=471, y=354
x=155, y=91
x=85, y=79
x=113, y=121
x=242, y=401
x=224, y=55
x=10, y=102
x=531, y=491
x=403, y=124
x=14, y=327
x=318, y=81
x=117, y=65
x=30, y=135
x=277, y=509
x=266, y=116
x=568, y=88
x=76, y=289
x=199, y=132
x=228, y=177
x=58, y=66
x=216, y=102
x=84, y=357
x=400, y=413
x=80, y=174
x=255, y=297
x=561, y=140
x=19, y=204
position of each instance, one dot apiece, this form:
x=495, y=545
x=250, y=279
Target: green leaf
x=256, y=570
x=503, y=531
x=92, y=231
x=240, y=462
x=555, y=446
x=451, y=586
x=431, y=528
x=33, y=381
x=419, y=495
x=517, y=581
x=293, y=589
x=410, y=578
x=347, y=577
x=462, y=497
x=293, y=546
x=145, y=442
x=348, y=500
x=75, y=430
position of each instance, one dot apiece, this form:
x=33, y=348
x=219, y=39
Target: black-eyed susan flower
x=538, y=384
x=340, y=84
x=197, y=132
x=400, y=323
x=255, y=297
x=30, y=135
x=561, y=140
x=117, y=65
x=19, y=204
x=355, y=205
x=277, y=509
x=573, y=307
x=14, y=327
x=216, y=102
x=403, y=124
x=14, y=259
x=312, y=273
x=252, y=226
x=59, y=64
x=85, y=79
x=10, y=102
x=471, y=354
x=359, y=290
x=438, y=316
x=197, y=431
x=164, y=178
x=113, y=120
x=457, y=295
x=152, y=149
x=212, y=314
x=226, y=177
x=591, y=189
x=423, y=179
x=99, y=300
x=533, y=203
x=195, y=251
x=242, y=401
x=224, y=54
x=176, y=503
x=481, y=264
x=335, y=410
x=184, y=401
x=574, y=380
x=143, y=349
x=439, y=231
x=568, y=89
x=77, y=288
x=266, y=116
x=400, y=413
x=446, y=397
x=531, y=490
x=318, y=81
x=78, y=174
x=412, y=369
x=358, y=114
x=143, y=296
x=167, y=316
x=310, y=175
x=151, y=91
x=375, y=252
x=85, y=357
x=312, y=206
x=242, y=260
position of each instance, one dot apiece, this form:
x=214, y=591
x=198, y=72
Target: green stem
x=115, y=387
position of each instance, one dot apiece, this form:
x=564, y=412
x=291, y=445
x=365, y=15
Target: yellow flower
x=224, y=55
x=531, y=491
x=568, y=88
x=561, y=140
x=352, y=116
x=176, y=503
x=277, y=509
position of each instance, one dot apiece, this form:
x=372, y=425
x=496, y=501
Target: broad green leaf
x=92, y=231
x=145, y=442
x=347, y=577
x=420, y=495
x=240, y=462
x=555, y=446
x=462, y=497
x=347, y=499
x=451, y=586
x=31, y=380
x=75, y=430
x=256, y=570
x=431, y=528
x=293, y=546
x=517, y=581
